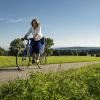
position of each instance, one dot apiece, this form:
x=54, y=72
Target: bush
x=3, y=52
x=79, y=84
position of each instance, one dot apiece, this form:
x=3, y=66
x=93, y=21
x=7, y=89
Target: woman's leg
x=39, y=50
x=33, y=50
x=34, y=55
x=37, y=57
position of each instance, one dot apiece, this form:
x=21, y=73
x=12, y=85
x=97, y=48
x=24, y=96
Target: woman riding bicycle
x=37, y=42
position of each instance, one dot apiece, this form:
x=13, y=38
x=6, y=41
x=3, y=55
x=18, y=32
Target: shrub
x=77, y=84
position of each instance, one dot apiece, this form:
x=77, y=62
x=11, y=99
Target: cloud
x=15, y=20
x=6, y=20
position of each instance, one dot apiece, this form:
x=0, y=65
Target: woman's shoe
x=37, y=61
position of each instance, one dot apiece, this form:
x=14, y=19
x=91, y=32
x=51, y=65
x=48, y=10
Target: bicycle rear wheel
x=43, y=59
x=23, y=58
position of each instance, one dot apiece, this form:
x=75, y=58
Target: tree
x=56, y=52
x=48, y=44
x=15, y=45
x=3, y=52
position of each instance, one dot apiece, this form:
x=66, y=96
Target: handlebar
x=26, y=39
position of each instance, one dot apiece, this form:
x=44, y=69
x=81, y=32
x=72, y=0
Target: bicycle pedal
x=33, y=61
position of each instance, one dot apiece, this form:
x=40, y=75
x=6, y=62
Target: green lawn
x=9, y=61
x=65, y=59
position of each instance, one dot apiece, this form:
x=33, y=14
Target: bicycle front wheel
x=23, y=58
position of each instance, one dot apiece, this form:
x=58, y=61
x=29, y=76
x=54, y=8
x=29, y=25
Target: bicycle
x=24, y=56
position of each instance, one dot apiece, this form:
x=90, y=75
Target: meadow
x=10, y=61
x=74, y=84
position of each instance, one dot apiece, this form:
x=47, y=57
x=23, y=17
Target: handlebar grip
x=22, y=39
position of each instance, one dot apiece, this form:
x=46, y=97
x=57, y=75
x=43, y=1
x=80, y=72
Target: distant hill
x=77, y=48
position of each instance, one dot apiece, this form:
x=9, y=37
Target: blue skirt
x=38, y=46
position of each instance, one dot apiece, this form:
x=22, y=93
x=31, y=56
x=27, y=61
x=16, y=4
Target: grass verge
x=76, y=84
x=9, y=61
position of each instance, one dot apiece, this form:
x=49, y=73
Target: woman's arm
x=38, y=33
x=28, y=33
x=36, y=36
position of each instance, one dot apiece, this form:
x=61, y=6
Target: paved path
x=12, y=73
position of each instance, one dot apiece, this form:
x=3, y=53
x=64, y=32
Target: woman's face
x=34, y=24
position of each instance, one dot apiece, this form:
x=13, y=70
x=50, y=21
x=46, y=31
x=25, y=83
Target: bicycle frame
x=28, y=52
x=28, y=46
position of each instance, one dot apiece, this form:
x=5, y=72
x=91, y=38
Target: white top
x=35, y=32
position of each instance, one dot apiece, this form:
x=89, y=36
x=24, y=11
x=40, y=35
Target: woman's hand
x=22, y=39
x=35, y=38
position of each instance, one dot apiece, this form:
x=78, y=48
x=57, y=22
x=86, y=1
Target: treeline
x=76, y=52
x=16, y=44
x=53, y=52
x=3, y=52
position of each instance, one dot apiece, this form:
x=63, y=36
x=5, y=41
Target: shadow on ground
x=8, y=69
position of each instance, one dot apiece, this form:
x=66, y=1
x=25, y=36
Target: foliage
x=70, y=52
x=48, y=44
x=15, y=45
x=79, y=84
x=3, y=52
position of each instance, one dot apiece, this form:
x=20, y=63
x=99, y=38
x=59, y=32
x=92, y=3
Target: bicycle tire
x=43, y=59
x=23, y=60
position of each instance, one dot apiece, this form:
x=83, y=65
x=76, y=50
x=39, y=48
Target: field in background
x=9, y=61
x=65, y=59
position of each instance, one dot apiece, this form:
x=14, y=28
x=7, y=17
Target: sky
x=68, y=22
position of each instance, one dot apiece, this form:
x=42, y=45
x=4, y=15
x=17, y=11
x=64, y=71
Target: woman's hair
x=37, y=22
